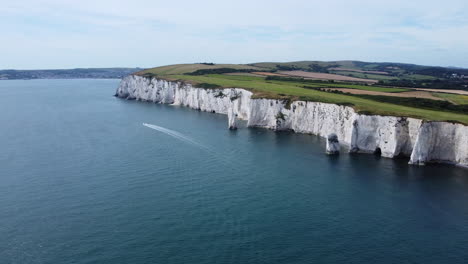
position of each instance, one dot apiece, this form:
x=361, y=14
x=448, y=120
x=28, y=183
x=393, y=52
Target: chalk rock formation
x=232, y=119
x=441, y=142
x=333, y=145
x=393, y=136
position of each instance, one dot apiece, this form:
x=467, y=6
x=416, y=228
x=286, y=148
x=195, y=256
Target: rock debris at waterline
x=423, y=142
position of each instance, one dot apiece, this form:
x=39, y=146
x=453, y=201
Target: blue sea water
x=82, y=180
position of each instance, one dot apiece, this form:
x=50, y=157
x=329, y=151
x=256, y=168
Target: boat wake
x=176, y=135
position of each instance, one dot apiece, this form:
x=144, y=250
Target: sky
x=54, y=34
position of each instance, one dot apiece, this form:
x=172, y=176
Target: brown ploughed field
x=325, y=76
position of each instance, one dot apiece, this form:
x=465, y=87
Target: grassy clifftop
x=444, y=108
x=190, y=68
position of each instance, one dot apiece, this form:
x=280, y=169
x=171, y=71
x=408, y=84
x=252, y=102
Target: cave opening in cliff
x=378, y=152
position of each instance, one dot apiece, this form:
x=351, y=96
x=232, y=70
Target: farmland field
x=365, y=75
x=363, y=87
x=325, y=76
x=361, y=71
x=445, y=91
x=409, y=94
x=454, y=98
x=289, y=89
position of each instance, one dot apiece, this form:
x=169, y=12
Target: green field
x=417, y=77
x=323, y=84
x=363, y=87
x=454, y=98
x=292, y=90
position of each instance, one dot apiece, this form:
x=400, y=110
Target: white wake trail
x=181, y=137
x=176, y=135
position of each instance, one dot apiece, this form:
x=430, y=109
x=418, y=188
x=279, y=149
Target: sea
x=86, y=177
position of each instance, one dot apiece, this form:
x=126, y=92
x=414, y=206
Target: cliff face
x=391, y=136
x=441, y=141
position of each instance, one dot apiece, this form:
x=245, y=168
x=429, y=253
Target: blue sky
x=142, y=33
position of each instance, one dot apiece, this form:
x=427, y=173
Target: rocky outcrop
x=232, y=119
x=333, y=144
x=391, y=136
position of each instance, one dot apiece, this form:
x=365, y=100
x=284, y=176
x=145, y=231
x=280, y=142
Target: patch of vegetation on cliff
x=220, y=94
x=280, y=116
x=207, y=85
x=148, y=75
x=236, y=95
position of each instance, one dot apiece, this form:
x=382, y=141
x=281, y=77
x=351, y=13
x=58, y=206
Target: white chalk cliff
x=422, y=141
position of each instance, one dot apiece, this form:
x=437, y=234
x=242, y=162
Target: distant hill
x=90, y=73
x=387, y=73
x=381, y=73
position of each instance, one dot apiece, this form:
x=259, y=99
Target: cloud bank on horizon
x=68, y=34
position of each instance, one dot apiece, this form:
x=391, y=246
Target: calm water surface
x=83, y=181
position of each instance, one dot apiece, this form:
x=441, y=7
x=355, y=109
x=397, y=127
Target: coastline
x=420, y=141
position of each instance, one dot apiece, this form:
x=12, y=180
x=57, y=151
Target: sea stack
x=232, y=119
x=333, y=144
